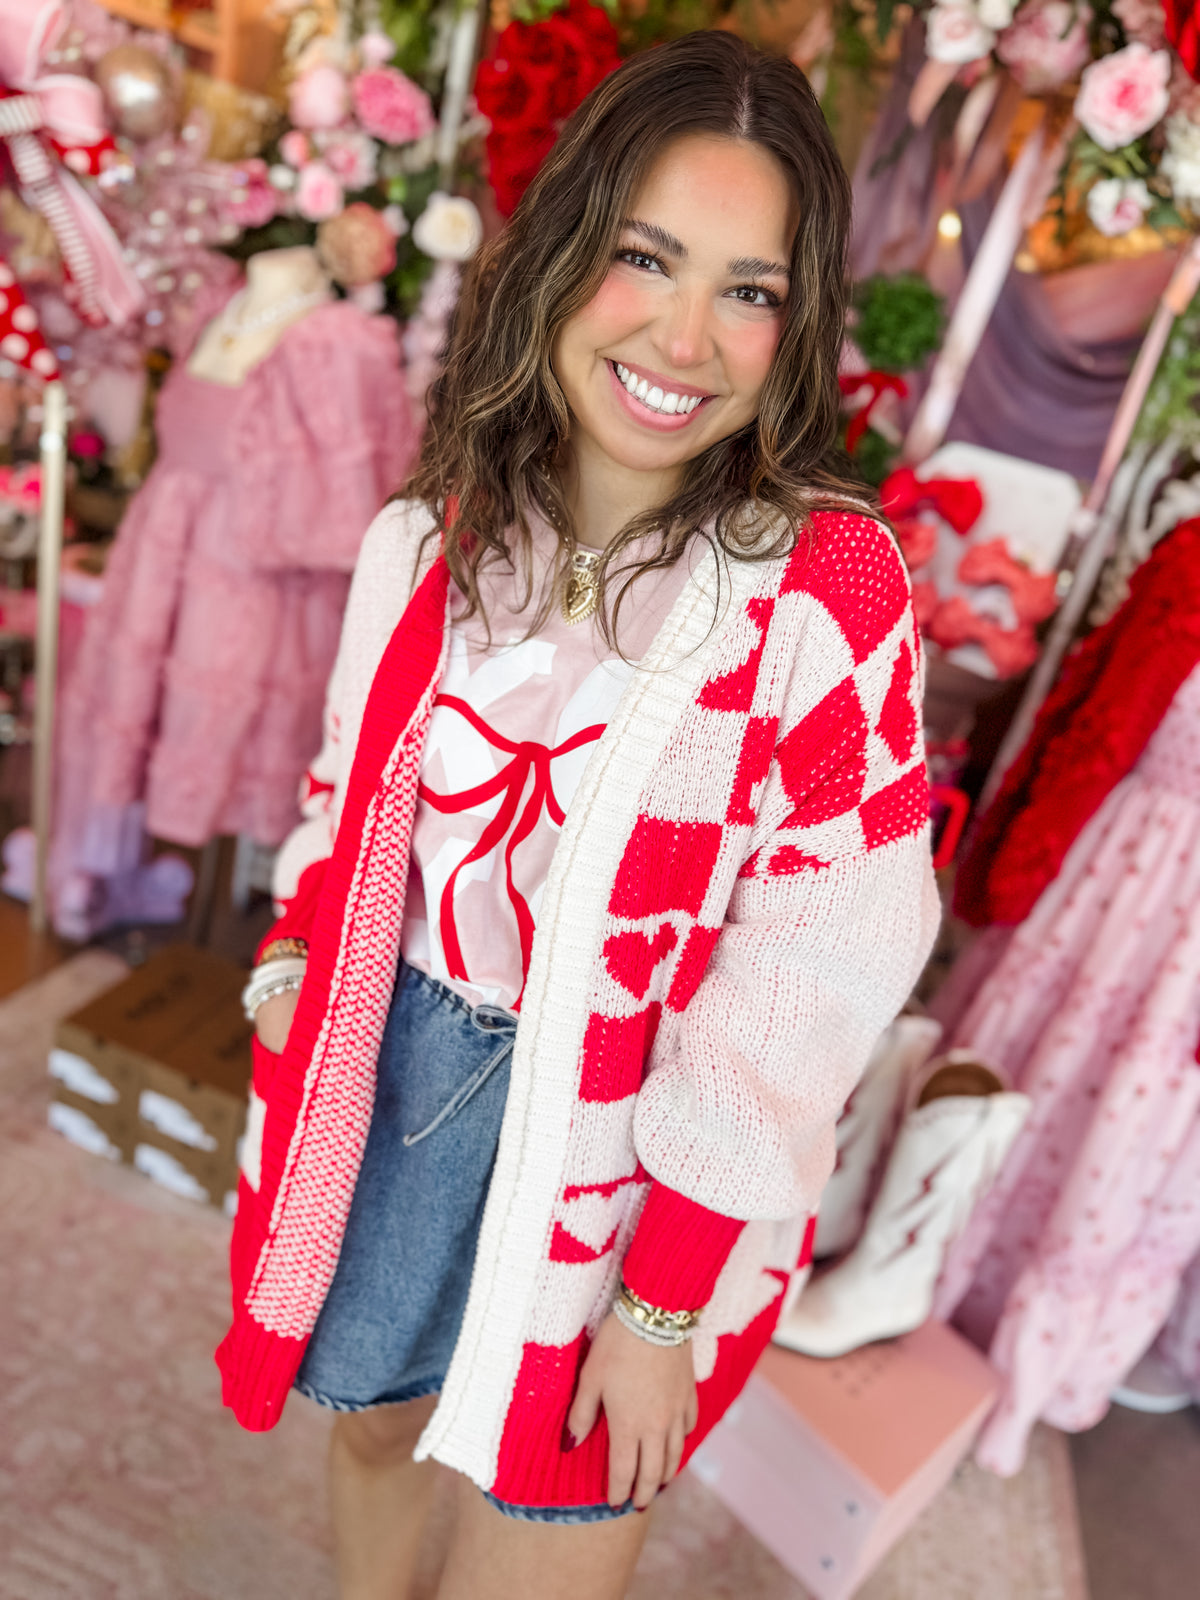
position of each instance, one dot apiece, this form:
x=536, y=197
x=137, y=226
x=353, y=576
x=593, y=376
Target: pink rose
x=318, y=193
x=318, y=98
x=351, y=156
x=254, y=199
x=1047, y=44
x=1143, y=21
x=1123, y=95
x=391, y=106
x=295, y=148
x=375, y=47
x=955, y=34
x=1116, y=205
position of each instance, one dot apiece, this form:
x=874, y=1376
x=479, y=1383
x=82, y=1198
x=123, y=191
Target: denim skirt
x=391, y=1319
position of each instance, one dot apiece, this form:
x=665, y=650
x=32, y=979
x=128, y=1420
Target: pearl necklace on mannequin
x=236, y=326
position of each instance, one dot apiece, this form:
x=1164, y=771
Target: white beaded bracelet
x=270, y=979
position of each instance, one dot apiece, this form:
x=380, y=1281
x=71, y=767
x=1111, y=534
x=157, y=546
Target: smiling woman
x=597, y=927
x=689, y=226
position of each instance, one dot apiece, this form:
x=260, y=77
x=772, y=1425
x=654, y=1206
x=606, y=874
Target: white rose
x=449, y=228
x=1181, y=162
x=996, y=14
x=955, y=34
x=1116, y=205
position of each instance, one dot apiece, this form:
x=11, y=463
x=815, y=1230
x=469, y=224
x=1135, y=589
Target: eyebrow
x=744, y=266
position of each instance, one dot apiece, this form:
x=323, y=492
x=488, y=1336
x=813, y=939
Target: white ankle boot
x=866, y=1128
x=949, y=1150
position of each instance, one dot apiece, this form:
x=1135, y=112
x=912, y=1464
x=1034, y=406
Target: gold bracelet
x=655, y=1320
x=281, y=948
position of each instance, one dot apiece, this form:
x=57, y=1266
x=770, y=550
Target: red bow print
x=528, y=759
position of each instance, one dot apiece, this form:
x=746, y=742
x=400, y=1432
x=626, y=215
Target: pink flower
x=1047, y=44
x=1142, y=20
x=318, y=194
x=295, y=148
x=955, y=34
x=318, y=98
x=375, y=47
x=351, y=156
x=1116, y=205
x=391, y=106
x=254, y=200
x=1123, y=95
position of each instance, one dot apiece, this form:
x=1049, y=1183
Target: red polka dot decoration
x=21, y=339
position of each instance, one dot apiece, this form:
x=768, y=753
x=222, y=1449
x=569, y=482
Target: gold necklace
x=582, y=593
x=583, y=588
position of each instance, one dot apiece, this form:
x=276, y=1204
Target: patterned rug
x=121, y=1477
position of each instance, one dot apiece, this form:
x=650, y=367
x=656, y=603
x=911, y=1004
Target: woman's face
x=672, y=352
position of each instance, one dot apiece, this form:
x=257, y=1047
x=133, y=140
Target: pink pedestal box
x=828, y=1462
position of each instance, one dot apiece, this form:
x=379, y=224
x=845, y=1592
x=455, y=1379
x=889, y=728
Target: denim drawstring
x=488, y=1019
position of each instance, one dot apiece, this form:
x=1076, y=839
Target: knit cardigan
x=740, y=901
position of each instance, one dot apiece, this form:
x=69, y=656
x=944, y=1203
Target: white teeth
x=669, y=403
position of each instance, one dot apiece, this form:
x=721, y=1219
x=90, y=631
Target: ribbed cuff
x=678, y=1250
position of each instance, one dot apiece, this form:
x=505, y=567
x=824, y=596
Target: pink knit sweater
x=740, y=901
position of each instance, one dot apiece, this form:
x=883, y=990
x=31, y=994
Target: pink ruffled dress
x=1074, y=1260
x=198, y=688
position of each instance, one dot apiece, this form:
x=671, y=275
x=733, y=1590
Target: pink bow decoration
x=959, y=501
x=49, y=122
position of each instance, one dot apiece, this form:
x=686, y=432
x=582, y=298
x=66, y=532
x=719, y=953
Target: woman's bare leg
x=494, y=1557
x=380, y=1498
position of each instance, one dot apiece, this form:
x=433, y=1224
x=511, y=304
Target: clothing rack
x=50, y=542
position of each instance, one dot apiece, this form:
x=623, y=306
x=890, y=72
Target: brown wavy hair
x=497, y=416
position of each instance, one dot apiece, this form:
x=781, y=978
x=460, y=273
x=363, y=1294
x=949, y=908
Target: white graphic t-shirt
x=513, y=727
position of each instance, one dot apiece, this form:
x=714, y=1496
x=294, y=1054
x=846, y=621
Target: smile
x=668, y=403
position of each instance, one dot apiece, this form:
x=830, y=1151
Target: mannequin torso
x=282, y=287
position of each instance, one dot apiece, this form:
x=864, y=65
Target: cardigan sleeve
x=831, y=920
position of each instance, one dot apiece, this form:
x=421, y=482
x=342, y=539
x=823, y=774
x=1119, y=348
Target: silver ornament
x=138, y=90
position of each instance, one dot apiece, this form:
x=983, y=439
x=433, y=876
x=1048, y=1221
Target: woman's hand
x=648, y=1393
x=273, y=1019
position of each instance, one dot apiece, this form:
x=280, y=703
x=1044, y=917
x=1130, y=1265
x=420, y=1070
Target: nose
x=685, y=335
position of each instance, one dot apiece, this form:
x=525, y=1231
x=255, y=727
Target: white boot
x=948, y=1152
x=866, y=1128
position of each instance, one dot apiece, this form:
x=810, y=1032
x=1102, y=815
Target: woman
x=615, y=862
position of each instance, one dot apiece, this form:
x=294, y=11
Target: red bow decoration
x=959, y=501
x=1182, y=21
x=879, y=383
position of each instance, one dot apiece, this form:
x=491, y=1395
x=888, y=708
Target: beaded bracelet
x=271, y=978
x=653, y=1323
x=282, y=948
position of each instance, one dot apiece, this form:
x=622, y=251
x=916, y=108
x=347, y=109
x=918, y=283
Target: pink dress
x=1075, y=1258
x=200, y=681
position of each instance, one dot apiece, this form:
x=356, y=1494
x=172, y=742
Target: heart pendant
x=579, y=601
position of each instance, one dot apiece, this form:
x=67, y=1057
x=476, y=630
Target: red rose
x=538, y=74
x=1182, y=19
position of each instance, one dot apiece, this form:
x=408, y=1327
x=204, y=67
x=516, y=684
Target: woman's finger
x=691, y=1415
x=622, y=1466
x=585, y=1408
x=651, y=1461
x=676, y=1440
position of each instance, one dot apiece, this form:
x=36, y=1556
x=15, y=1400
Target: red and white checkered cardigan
x=740, y=901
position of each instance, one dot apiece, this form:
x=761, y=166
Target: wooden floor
x=23, y=954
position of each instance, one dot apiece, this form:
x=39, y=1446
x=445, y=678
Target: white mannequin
x=282, y=287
